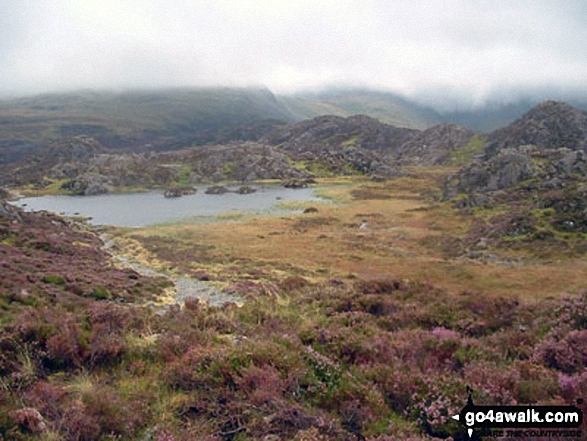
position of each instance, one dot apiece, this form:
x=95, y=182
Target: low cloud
x=444, y=54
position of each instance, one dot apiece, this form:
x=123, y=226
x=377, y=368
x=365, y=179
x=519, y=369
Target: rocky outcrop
x=217, y=189
x=324, y=146
x=433, y=146
x=548, y=143
x=550, y=125
x=176, y=192
x=359, y=131
x=341, y=146
x=58, y=160
x=505, y=170
x=244, y=162
x=298, y=183
x=360, y=144
x=8, y=212
x=538, y=167
x=88, y=185
x=245, y=189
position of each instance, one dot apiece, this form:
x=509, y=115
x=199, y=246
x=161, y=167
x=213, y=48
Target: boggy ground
x=409, y=234
x=345, y=333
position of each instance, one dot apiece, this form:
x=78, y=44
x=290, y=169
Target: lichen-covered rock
x=550, y=125
x=505, y=170
x=176, y=192
x=245, y=189
x=89, y=184
x=298, y=183
x=217, y=189
x=30, y=419
x=9, y=212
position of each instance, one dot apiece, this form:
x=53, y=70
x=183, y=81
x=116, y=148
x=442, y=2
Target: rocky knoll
x=361, y=136
x=536, y=168
x=244, y=162
x=504, y=170
x=323, y=146
x=433, y=146
x=550, y=125
x=357, y=131
x=58, y=160
x=548, y=143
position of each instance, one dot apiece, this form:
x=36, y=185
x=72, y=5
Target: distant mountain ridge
x=386, y=107
x=139, y=120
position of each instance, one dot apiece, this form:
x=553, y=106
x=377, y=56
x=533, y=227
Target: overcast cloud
x=443, y=53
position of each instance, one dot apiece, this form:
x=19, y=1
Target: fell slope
x=384, y=106
x=159, y=120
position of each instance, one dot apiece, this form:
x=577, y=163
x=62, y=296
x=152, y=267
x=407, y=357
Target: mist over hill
x=385, y=106
x=138, y=120
x=171, y=119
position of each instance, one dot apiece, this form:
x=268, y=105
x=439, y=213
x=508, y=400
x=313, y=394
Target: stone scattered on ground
x=298, y=183
x=176, y=192
x=245, y=189
x=217, y=189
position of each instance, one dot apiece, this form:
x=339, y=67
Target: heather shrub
x=357, y=404
x=567, y=354
x=78, y=424
x=573, y=386
x=396, y=385
x=108, y=323
x=492, y=384
x=348, y=344
x=67, y=348
x=196, y=369
x=48, y=398
x=36, y=325
x=536, y=383
x=512, y=343
x=293, y=283
x=379, y=286
x=261, y=386
x=283, y=353
x=423, y=350
x=171, y=346
x=436, y=398
x=573, y=311
x=488, y=314
x=113, y=415
x=105, y=348
x=323, y=374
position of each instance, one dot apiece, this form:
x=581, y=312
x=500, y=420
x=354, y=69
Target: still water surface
x=141, y=209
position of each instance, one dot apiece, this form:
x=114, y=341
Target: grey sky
x=442, y=52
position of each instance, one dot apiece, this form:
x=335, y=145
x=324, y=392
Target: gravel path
x=185, y=287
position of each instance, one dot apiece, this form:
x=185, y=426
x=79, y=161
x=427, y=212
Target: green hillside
x=384, y=106
x=131, y=119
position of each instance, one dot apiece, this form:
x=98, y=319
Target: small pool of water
x=142, y=209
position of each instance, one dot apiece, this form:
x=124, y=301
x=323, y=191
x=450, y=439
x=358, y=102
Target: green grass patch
x=101, y=293
x=351, y=142
x=231, y=215
x=184, y=175
x=465, y=154
x=297, y=205
x=54, y=280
